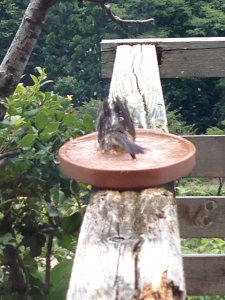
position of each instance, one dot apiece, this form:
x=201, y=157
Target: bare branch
x=120, y=21
x=17, y=277
x=221, y=180
x=49, y=252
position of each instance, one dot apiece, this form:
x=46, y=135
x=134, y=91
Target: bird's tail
x=129, y=146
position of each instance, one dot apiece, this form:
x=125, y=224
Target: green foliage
x=199, y=187
x=207, y=246
x=11, y=12
x=208, y=20
x=60, y=276
x=74, y=62
x=92, y=108
x=220, y=130
x=195, y=100
x=69, y=48
x=172, y=18
x=37, y=200
x=176, y=123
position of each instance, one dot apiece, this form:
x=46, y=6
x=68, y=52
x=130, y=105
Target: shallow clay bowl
x=167, y=157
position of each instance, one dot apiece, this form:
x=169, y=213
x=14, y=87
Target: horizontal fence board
x=177, y=57
x=210, y=156
x=192, y=63
x=201, y=217
x=205, y=274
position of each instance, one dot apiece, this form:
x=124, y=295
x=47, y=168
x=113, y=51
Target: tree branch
x=120, y=21
x=49, y=252
x=221, y=181
x=14, y=264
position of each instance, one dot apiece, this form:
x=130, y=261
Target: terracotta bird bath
x=167, y=157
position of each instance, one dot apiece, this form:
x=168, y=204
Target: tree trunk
x=18, y=54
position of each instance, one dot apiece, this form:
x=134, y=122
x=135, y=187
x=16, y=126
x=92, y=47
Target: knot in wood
x=116, y=239
x=210, y=205
x=204, y=216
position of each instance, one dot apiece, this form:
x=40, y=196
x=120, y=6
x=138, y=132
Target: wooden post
x=129, y=245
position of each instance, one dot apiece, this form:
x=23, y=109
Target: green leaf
x=20, y=88
x=51, y=112
x=12, y=111
x=40, y=154
x=187, y=242
x=60, y=276
x=69, y=119
x=60, y=270
x=75, y=187
x=51, y=210
x=60, y=114
x=49, y=131
x=35, y=79
x=88, y=122
x=37, y=242
x=32, y=112
x=7, y=239
x=57, y=195
x=45, y=82
x=28, y=140
x=51, y=128
x=18, y=122
x=40, y=71
x=80, y=125
x=41, y=120
x=65, y=241
x=83, y=186
x=12, y=121
x=72, y=223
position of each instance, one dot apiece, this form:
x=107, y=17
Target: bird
x=116, y=128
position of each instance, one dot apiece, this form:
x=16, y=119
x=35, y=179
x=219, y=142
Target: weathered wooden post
x=129, y=244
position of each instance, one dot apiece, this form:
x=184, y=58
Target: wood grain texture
x=129, y=246
x=205, y=274
x=210, y=156
x=135, y=67
x=192, y=63
x=177, y=57
x=124, y=248
x=201, y=217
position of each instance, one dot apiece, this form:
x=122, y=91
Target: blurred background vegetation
x=69, y=49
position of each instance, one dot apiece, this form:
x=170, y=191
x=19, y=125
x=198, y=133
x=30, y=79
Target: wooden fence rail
x=210, y=158
x=204, y=274
x=177, y=57
x=201, y=217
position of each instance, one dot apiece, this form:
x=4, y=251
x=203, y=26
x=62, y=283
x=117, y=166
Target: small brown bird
x=116, y=129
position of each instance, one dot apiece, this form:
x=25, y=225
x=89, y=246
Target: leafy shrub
x=38, y=202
